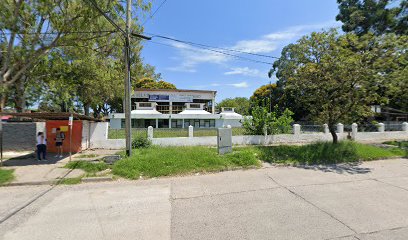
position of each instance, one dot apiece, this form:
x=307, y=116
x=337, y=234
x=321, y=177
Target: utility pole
x=126, y=52
x=128, y=121
x=270, y=96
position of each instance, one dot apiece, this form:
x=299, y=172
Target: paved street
x=367, y=201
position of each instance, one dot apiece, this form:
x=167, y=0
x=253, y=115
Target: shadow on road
x=350, y=168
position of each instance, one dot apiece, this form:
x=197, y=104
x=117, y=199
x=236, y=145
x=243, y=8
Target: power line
x=157, y=9
x=95, y=5
x=68, y=32
x=219, y=52
x=213, y=47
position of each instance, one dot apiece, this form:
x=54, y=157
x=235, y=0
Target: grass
x=326, y=153
x=70, y=181
x=400, y=144
x=86, y=156
x=166, y=161
x=6, y=175
x=88, y=167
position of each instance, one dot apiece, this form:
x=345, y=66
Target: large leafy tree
x=241, y=104
x=31, y=30
x=332, y=76
x=377, y=16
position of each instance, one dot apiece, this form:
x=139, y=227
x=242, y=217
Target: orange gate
x=52, y=125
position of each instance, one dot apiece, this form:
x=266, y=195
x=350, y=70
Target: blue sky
x=258, y=26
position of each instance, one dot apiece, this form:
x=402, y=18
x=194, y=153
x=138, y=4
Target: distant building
x=175, y=108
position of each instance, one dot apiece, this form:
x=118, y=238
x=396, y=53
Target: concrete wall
x=115, y=123
x=85, y=135
x=21, y=136
x=100, y=140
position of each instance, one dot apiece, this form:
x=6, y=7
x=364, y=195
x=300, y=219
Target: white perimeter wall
x=98, y=136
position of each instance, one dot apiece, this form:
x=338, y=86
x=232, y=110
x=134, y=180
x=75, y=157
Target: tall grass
x=326, y=153
x=165, y=161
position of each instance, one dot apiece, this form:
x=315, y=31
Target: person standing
x=59, y=139
x=41, y=146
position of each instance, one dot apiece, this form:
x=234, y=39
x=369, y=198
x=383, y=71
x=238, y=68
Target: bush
x=141, y=142
x=273, y=122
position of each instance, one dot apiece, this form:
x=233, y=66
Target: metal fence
x=311, y=128
x=170, y=132
x=393, y=127
x=120, y=133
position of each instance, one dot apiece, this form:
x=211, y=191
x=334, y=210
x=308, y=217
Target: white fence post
x=190, y=131
x=150, y=132
x=296, y=129
x=326, y=128
x=354, y=129
x=381, y=127
x=340, y=128
x=405, y=127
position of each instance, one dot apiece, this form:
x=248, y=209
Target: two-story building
x=175, y=108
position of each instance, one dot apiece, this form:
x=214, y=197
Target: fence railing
x=239, y=131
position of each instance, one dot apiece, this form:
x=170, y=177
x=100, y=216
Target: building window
x=122, y=123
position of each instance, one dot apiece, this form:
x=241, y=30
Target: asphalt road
x=367, y=201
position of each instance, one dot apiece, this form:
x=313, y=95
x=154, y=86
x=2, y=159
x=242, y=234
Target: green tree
x=377, y=16
x=331, y=76
x=267, y=95
x=150, y=83
x=241, y=104
x=262, y=120
x=68, y=25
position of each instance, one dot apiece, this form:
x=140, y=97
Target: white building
x=176, y=108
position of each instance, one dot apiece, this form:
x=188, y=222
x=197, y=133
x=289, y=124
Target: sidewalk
x=29, y=171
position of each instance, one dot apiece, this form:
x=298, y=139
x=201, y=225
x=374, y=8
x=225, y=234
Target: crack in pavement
x=314, y=205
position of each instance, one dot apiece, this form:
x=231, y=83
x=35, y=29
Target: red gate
x=52, y=125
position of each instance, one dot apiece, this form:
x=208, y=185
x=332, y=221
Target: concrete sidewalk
x=365, y=201
x=29, y=171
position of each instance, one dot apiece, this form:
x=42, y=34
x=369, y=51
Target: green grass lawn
x=166, y=161
x=326, y=153
x=6, y=175
x=88, y=167
x=400, y=144
x=70, y=181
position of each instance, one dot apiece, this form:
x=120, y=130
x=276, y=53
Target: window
x=195, y=106
x=146, y=105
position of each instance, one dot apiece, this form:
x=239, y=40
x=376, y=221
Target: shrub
x=273, y=122
x=141, y=142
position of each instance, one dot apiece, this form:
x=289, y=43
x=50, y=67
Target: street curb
x=53, y=182
x=96, y=179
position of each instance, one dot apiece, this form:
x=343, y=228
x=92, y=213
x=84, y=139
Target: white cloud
x=246, y=71
x=256, y=46
x=239, y=85
x=193, y=56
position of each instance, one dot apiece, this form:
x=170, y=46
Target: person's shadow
x=30, y=159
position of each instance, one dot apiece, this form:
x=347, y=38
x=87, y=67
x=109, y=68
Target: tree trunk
x=86, y=109
x=3, y=100
x=333, y=133
x=20, y=99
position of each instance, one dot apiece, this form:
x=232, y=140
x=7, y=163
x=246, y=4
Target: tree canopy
x=376, y=16
x=337, y=77
x=241, y=104
x=64, y=55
